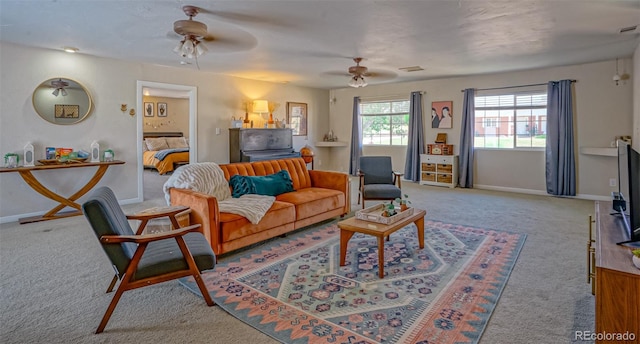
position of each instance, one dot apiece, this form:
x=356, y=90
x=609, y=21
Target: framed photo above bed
x=162, y=109
x=148, y=109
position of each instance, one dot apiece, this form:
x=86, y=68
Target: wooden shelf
x=602, y=151
x=330, y=144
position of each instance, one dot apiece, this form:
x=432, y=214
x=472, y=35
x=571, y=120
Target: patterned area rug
x=294, y=290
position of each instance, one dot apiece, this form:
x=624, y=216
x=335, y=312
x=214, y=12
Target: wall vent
x=411, y=69
x=629, y=29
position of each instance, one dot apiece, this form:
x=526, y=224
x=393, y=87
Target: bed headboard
x=163, y=134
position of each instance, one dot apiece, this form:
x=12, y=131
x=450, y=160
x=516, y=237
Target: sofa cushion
x=269, y=185
x=312, y=201
x=234, y=226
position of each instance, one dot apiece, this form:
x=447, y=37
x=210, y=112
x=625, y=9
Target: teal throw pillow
x=270, y=185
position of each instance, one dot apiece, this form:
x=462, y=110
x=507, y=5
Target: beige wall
x=112, y=83
x=177, y=118
x=602, y=111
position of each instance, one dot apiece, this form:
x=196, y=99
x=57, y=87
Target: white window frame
x=391, y=115
x=512, y=124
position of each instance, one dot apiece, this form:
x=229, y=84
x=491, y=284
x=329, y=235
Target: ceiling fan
x=358, y=72
x=59, y=86
x=193, y=33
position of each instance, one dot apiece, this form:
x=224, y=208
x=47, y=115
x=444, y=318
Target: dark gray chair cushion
x=381, y=191
x=164, y=256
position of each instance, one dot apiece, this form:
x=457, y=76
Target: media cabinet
x=614, y=279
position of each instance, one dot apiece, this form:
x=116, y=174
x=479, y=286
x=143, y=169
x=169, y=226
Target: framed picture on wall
x=67, y=111
x=162, y=109
x=148, y=109
x=441, y=114
x=297, y=118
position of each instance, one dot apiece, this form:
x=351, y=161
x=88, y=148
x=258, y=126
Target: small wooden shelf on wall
x=330, y=144
x=603, y=151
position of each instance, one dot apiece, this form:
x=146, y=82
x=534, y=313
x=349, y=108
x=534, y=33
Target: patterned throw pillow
x=156, y=143
x=177, y=142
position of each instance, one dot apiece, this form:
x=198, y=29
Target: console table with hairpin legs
x=55, y=213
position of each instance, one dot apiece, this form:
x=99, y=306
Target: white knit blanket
x=208, y=178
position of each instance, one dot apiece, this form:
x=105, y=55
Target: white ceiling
x=312, y=42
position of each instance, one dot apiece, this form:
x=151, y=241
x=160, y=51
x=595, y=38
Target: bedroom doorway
x=156, y=89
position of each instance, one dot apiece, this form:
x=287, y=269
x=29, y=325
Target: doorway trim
x=193, y=110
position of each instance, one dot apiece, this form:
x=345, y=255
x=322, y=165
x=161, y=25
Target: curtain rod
x=500, y=88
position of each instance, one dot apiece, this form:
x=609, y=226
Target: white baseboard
x=16, y=218
x=540, y=192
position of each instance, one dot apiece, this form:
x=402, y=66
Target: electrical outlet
x=217, y=131
x=612, y=182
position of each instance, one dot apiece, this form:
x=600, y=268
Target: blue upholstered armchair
x=146, y=259
x=378, y=181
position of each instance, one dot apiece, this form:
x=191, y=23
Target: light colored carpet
x=53, y=276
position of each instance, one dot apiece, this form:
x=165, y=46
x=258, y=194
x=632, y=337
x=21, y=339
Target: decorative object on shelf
x=11, y=160
x=29, y=160
x=330, y=137
x=109, y=156
x=441, y=138
x=148, y=109
x=441, y=114
x=297, y=118
x=271, y=123
x=50, y=153
x=71, y=107
x=439, y=149
x=162, y=110
x=403, y=202
x=236, y=123
x=636, y=258
x=95, y=151
x=389, y=210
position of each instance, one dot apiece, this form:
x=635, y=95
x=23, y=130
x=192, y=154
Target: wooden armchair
x=142, y=260
x=378, y=180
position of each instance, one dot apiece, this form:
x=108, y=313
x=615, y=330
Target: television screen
x=629, y=189
x=634, y=193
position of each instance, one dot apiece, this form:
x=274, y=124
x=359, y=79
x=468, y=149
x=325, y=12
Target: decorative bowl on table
x=61, y=161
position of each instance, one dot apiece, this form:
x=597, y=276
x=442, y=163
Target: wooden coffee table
x=352, y=225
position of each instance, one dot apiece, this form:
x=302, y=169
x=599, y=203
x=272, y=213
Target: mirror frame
x=51, y=119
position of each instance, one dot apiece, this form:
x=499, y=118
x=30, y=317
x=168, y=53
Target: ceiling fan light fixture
x=193, y=31
x=357, y=71
x=357, y=81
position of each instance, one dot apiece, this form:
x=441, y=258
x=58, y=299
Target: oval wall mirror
x=62, y=101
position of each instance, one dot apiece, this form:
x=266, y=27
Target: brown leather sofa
x=318, y=195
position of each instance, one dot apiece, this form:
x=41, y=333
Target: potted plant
x=636, y=258
x=403, y=202
x=389, y=210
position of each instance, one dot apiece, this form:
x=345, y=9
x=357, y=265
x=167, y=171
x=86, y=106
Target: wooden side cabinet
x=441, y=170
x=617, y=280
